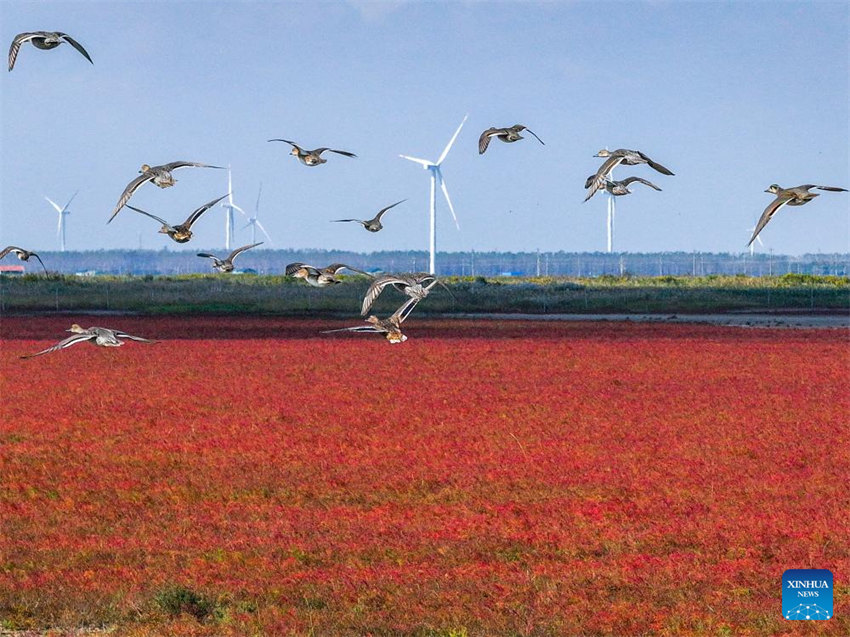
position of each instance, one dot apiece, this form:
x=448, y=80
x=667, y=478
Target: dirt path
x=737, y=320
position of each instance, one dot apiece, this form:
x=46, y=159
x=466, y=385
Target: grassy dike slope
x=277, y=295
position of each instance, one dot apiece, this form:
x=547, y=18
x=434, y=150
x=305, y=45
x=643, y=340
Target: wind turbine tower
x=63, y=212
x=437, y=176
x=229, y=207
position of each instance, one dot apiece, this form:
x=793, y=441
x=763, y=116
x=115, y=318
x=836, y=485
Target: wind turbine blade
x=260, y=226
x=451, y=141
x=69, y=201
x=257, y=207
x=247, y=225
x=229, y=187
x=448, y=201
x=54, y=204
x=758, y=238
x=425, y=163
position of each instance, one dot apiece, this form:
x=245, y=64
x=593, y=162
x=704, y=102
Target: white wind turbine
x=437, y=176
x=611, y=211
x=63, y=212
x=229, y=206
x=254, y=222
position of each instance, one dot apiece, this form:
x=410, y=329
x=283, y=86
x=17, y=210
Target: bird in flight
x=101, y=336
x=620, y=188
x=23, y=255
x=319, y=277
x=44, y=40
x=226, y=265
x=613, y=159
x=159, y=175
x=311, y=157
x=791, y=196
x=416, y=286
x=181, y=233
x=508, y=135
x=390, y=327
x=374, y=224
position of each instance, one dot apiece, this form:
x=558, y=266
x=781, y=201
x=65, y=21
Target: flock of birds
x=415, y=286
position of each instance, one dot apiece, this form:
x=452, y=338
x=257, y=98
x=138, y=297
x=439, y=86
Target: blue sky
x=731, y=96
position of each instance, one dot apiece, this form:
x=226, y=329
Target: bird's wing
x=196, y=214
x=333, y=268
x=767, y=215
x=535, y=135
x=404, y=311
x=7, y=250
x=239, y=251
x=76, y=45
x=344, y=220
x=602, y=174
x=484, y=140
x=183, y=164
x=33, y=254
x=128, y=192
x=376, y=287
x=120, y=334
x=293, y=144
x=160, y=219
x=426, y=280
x=630, y=180
x=340, y=152
x=383, y=210
x=292, y=268
x=71, y=340
x=359, y=328
x=16, y=46
x=207, y=255
x=830, y=188
x=655, y=164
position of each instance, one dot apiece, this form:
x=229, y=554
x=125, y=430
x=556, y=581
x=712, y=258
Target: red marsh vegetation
x=253, y=476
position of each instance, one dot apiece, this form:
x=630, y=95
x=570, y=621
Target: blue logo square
x=807, y=594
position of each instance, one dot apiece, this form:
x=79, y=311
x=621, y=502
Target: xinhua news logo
x=807, y=594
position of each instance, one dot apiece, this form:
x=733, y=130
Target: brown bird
x=159, y=175
x=791, y=196
x=416, y=286
x=101, y=336
x=620, y=188
x=226, y=265
x=508, y=135
x=613, y=159
x=44, y=40
x=374, y=224
x=390, y=327
x=319, y=277
x=311, y=157
x=181, y=233
x=23, y=255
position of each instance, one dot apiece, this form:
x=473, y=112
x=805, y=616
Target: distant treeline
x=582, y=264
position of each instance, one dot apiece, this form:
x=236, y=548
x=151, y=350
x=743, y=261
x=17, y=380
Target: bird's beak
x=163, y=230
x=768, y=190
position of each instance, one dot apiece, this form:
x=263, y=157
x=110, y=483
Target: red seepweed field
x=253, y=476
